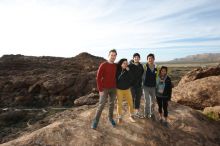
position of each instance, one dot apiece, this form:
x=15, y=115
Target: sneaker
x=132, y=119
x=94, y=124
x=112, y=122
x=153, y=117
x=138, y=115
x=145, y=116
x=165, y=123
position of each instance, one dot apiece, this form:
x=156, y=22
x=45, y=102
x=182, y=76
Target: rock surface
x=198, y=94
x=199, y=88
x=212, y=112
x=72, y=127
x=87, y=100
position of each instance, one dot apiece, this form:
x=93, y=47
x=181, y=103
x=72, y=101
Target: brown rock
x=23, y=100
x=199, y=93
x=11, y=117
x=34, y=89
x=212, y=112
x=200, y=73
x=87, y=100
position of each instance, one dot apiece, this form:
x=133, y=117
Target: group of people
x=129, y=81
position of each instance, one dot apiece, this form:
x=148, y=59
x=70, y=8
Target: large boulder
x=198, y=94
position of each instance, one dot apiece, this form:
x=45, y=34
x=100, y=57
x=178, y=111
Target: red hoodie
x=106, y=76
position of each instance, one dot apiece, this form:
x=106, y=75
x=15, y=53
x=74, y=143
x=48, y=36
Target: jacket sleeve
x=169, y=88
x=117, y=75
x=144, y=73
x=157, y=74
x=131, y=73
x=130, y=76
x=99, y=77
x=142, y=70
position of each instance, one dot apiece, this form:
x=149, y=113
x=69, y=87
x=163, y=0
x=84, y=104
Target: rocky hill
x=42, y=81
x=208, y=57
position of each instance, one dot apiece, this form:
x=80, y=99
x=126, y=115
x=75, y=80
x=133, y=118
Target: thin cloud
x=65, y=28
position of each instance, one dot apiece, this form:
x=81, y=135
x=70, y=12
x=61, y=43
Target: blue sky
x=168, y=28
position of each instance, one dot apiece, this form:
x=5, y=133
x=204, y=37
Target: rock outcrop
x=200, y=73
x=199, y=88
x=43, y=81
x=90, y=99
x=199, y=94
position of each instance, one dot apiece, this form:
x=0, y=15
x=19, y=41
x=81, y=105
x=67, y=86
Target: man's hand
x=101, y=93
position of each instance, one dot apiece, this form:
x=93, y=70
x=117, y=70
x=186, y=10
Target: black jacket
x=137, y=73
x=123, y=79
x=150, y=76
x=167, y=93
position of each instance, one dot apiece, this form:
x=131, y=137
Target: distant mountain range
x=207, y=57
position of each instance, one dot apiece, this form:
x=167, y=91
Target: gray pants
x=150, y=100
x=108, y=93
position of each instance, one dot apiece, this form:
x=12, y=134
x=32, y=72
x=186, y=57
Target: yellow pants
x=127, y=95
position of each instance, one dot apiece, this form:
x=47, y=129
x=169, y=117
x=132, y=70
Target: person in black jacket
x=123, y=83
x=137, y=70
x=163, y=93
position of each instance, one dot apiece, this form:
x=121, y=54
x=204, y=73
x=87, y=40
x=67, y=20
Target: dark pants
x=162, y=103
x=136, y=95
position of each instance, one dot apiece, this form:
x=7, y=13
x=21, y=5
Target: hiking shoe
x=138, y=115
x=112, y=122
x=94, y=125
x=153, y=117
x=165, y=123
x=145, y=116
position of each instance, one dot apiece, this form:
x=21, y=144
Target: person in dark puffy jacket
x=136, y=88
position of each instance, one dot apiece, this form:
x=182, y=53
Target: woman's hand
x=127, y=68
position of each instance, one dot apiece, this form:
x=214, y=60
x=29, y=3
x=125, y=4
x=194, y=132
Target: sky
x=168, y=28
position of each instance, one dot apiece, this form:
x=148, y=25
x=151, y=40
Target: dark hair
x=120, y=63
x=163, y=67
x=113, y=50
x=150, y=55
x=136, y=54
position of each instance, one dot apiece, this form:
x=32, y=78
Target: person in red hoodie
x=106, y=84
